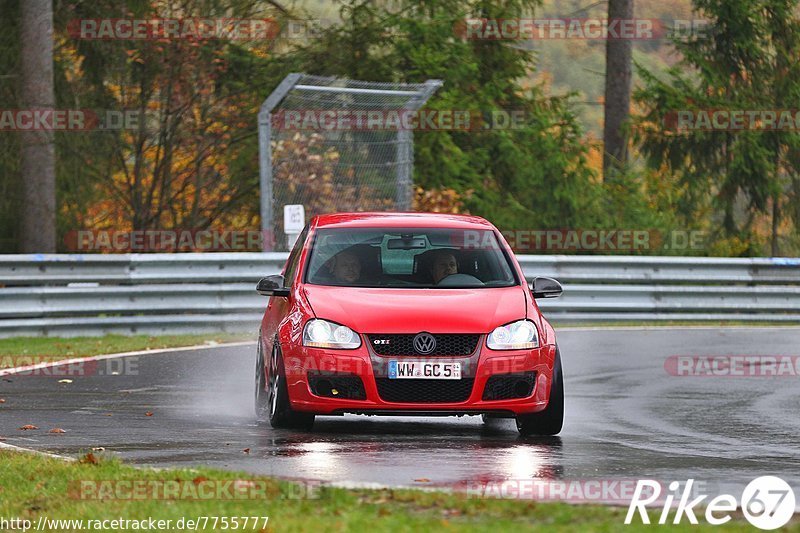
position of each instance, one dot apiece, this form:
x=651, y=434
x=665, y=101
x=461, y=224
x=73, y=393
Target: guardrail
x=70, y=295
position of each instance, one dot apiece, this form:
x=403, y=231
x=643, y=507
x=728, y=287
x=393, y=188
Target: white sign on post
x=294, y=219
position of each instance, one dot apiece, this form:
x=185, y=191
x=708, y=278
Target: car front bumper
x=304, y=364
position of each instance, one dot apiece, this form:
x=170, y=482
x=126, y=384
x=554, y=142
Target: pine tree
x=745, y=60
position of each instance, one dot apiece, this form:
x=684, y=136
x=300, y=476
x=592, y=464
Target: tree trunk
x=776, y=221
x=794, y=203
x=618, y=91
x=38, y=223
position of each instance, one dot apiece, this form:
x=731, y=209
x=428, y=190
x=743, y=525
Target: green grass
x=39, y=349
x=32, y=486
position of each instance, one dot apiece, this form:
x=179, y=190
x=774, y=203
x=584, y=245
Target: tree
x=10, y=183
x=784, y=33
x=527, y=177
x=617, y=92
x=38, y=173
x=188, y=157
x=745, y=61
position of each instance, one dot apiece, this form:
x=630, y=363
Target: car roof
x=401, y=220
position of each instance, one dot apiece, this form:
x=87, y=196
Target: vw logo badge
x=424, y=343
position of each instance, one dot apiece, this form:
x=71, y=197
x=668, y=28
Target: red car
x=406, y=314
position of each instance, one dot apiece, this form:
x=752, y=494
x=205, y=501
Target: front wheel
x=551, y=419
x=262, y=397
x=277, y=408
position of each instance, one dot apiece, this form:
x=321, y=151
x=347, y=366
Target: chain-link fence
x=336, y=145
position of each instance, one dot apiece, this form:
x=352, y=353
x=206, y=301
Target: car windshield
x=408, y=258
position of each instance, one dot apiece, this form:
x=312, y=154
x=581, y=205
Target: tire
x=493, y=423
x=551, y=420
x=278, y=410
x=261, y=397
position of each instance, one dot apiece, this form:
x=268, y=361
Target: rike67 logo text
x=767, y=502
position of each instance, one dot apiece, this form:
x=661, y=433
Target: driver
x=345, y=267
x=444, y=264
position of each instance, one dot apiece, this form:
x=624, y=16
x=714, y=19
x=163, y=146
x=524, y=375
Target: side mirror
x=545, y=288
x=272, y=286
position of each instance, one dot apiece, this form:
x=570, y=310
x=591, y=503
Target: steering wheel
x=457, y=280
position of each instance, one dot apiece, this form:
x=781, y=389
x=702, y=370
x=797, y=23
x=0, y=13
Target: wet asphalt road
x=626, y=418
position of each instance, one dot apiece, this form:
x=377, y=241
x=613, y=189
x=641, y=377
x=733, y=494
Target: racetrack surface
x=626, y=418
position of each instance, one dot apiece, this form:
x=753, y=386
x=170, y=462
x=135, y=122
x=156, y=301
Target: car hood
x=380, y=310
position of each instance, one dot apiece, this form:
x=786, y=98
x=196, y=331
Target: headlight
x=324, y=334
x=515, y=336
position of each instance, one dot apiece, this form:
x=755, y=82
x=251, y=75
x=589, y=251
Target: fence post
x=268, y=236
x=405, y=149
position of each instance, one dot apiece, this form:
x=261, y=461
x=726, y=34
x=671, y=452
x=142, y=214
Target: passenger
x=444, y=264
x=345, y=267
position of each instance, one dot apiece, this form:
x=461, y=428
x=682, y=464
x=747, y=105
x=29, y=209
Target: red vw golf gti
x=406, y=314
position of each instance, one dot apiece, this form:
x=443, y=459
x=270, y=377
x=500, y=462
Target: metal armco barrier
x=69, y=295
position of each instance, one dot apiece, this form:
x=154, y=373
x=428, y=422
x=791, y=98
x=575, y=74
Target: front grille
x=333, y=385
x=509, y=386
x=424, y=390
x=403, y=344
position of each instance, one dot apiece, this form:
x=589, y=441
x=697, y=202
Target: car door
x=278, y=306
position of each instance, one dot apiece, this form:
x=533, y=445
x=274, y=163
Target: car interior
x=480, y=264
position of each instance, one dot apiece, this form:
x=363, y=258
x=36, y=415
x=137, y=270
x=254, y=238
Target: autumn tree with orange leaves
x=185, y=157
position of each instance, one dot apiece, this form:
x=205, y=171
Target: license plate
x=424, y=370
